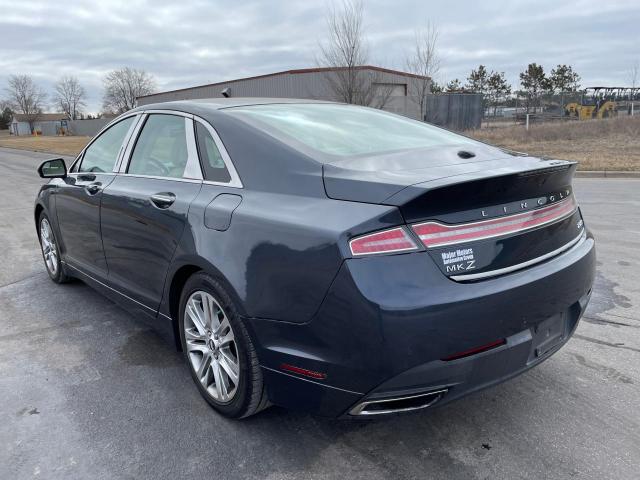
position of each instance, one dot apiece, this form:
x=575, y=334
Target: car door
x=79, y=195
x=144, y=209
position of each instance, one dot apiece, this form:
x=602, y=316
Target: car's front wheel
x=218, y=349
x=50, y=250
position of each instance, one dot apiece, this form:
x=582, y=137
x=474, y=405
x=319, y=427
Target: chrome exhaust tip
x=397, y=404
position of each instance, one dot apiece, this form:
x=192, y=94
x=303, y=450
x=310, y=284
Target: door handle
x=93, y=188
x=163, y=200
x=87, y=177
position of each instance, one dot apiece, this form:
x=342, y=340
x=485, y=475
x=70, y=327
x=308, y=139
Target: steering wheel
x=161, y=167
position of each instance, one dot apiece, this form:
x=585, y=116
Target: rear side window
x=161, y=149
x=212, y=161
x=102, y=154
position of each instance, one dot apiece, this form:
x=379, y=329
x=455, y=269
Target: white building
x=45, y=124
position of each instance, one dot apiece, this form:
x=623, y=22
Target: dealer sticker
x=459, y=260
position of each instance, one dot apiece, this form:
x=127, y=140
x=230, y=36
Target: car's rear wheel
x=218, y=349
x=50, y=250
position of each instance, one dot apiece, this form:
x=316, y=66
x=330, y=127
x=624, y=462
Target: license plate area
x=546, y=335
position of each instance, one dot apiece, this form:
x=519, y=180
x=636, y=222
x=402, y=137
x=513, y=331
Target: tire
x=50, y=250
x=216, y=345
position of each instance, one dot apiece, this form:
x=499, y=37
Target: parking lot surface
x=88, y=391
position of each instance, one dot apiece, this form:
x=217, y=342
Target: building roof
x=43, y=117
x=291, y=72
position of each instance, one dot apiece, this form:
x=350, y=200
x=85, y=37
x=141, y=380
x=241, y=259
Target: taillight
x=434, y=234
x=387, y=241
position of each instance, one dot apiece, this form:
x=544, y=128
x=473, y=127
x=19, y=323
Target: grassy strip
x=612, y=144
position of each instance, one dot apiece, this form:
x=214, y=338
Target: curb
x=606, y=174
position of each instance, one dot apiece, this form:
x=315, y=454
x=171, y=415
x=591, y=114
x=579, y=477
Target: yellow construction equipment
x=602, y=102
x=597, y=102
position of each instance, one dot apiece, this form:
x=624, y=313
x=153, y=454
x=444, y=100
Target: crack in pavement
x=609, y=372
x=21, y=280
x=602, y=321
x=607, y=344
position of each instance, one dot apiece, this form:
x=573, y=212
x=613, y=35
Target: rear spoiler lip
x=415, y=190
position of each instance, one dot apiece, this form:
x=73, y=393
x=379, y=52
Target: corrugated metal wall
x=311, y=85
x=457, y=111
x=88, y=127
x=43, y=128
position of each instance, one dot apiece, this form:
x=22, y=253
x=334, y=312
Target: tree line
x=120, y=89
x=534, y=83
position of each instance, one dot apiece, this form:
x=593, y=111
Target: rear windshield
x=346, y=130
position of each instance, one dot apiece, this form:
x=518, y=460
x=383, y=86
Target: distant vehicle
x=603, y=102
x=319, y=256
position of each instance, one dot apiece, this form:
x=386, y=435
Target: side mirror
x=54, y=168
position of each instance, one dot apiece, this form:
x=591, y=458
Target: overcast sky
x=189, y=43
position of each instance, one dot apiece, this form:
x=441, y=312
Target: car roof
x=222, y=103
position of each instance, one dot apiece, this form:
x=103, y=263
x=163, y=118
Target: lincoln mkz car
x=319, y=256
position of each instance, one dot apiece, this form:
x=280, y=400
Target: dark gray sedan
x=321, y=256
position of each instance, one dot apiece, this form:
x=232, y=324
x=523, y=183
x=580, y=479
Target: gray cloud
x=195, y=42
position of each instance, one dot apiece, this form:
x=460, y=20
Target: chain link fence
x=559, y=107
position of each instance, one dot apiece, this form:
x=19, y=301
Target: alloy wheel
x=49, y=248
x=211, y=346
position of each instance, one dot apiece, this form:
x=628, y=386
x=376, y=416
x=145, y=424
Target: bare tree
x=346, y=52
x=69, y=97
x=634, y=71
x=424, y=62
x=123, y=87
x=25, y=97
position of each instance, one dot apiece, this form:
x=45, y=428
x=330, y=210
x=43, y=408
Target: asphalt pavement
x=89, y=391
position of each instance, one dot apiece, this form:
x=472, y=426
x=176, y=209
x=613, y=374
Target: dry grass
x=59, y=145
x=612, y=144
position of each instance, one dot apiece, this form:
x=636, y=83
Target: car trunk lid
x=496, y=211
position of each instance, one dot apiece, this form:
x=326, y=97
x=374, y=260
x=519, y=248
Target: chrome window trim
x=169, y=112
x=576, y=242
x=235, y=181
x=155, y=177
x=193, y=167
x=75, y=174
x=100, y=132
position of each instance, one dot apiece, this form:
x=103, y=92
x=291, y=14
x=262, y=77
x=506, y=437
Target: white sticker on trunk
x=459, y=260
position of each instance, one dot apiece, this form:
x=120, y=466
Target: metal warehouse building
x=397, y=89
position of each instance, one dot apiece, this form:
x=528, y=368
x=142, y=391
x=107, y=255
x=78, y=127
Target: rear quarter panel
x=281, y=251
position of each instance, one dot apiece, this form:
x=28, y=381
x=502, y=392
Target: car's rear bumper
x=388, y=322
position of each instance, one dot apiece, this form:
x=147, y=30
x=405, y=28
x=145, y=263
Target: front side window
x=345, y=130
x=102, y=154
x=212, y=161
x=161, y=149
